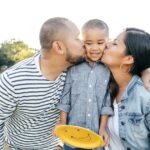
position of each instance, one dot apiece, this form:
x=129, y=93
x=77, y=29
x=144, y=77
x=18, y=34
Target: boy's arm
x=102, y=130
x=106, y=111
x=63, y=118
x=107, y=105
x=146, y=78
x=64, y=104
x=7, y=104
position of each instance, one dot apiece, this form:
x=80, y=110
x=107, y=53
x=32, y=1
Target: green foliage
x=13, y=51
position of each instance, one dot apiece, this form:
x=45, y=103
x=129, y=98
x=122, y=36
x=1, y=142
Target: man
x=30, y=90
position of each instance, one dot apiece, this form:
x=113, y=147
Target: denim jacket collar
x=134, y=79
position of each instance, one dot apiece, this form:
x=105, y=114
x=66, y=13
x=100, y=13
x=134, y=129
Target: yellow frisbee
x=78, y=137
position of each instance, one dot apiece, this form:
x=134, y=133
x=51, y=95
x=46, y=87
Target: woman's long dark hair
x=113, y=88
x=137, y=44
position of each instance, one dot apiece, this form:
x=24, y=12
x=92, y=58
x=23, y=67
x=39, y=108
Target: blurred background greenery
x=13, y=51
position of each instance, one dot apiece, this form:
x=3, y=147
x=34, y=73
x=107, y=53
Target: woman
x=127, y=56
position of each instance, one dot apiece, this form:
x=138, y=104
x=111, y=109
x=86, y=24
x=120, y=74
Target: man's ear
x=58, y=47
x=128, y=60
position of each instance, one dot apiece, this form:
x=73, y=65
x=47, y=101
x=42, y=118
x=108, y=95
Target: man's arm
x=7, y=104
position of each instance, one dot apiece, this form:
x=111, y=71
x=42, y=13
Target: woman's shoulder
x=141, y=91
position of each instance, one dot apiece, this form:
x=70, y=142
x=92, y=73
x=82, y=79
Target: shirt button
x=122, y=123
x=90, y=85
x=91, y=72
x=89, y=115
x=123, y=139
x=105, y=81
x=89, y=100
x=122, y=107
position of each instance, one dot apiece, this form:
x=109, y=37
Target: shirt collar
x=94, y=64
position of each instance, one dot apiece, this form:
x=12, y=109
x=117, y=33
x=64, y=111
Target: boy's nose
x=95, y=47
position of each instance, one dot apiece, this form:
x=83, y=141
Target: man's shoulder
x=18, y=67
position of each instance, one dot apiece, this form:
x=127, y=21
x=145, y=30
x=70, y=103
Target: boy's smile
x=95, y=41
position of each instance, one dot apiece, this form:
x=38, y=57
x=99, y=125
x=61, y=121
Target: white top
x=113, y=128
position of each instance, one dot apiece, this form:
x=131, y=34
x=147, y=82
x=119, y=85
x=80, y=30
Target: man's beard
x=74, y=59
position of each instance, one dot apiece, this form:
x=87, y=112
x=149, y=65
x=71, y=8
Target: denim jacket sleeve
x=64, y=103
x=107, y=106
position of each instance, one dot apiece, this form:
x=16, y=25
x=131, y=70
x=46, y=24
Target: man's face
x=74, y=47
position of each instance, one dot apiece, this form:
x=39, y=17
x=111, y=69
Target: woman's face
x=115, y=52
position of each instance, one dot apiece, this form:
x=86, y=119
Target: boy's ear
x=58, y=47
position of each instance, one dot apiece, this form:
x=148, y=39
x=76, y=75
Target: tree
x=13, y=51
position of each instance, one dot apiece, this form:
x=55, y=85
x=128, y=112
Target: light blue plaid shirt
x=85, y=97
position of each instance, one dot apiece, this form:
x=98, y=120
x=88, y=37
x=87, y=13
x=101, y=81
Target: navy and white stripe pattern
x=28, y=106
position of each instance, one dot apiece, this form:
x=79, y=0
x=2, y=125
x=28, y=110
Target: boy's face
x=95, y=42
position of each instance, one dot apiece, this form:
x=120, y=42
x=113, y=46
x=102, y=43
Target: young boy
x=85, y=101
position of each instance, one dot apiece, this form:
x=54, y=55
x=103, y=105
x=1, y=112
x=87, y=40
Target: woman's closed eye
x=114, y=43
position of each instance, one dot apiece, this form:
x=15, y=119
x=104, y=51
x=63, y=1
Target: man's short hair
x=95, y=23
x=53, y=29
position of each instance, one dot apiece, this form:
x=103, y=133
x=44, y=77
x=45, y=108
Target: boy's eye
x=88, y=43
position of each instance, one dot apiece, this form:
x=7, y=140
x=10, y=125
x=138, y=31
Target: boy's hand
x=58, y=124
x=103, y=133
x=146, y=78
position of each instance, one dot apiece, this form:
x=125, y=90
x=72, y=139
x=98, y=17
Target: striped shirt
x=28, y=106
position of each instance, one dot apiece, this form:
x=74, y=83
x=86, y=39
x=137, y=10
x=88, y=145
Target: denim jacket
x=134, y=116
x=85, y=96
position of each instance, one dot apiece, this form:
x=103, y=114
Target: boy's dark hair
x=137, y=44
x=95, y=23
x=53, y=29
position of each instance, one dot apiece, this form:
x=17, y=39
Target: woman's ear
x=129, y=60
x=58, y=47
